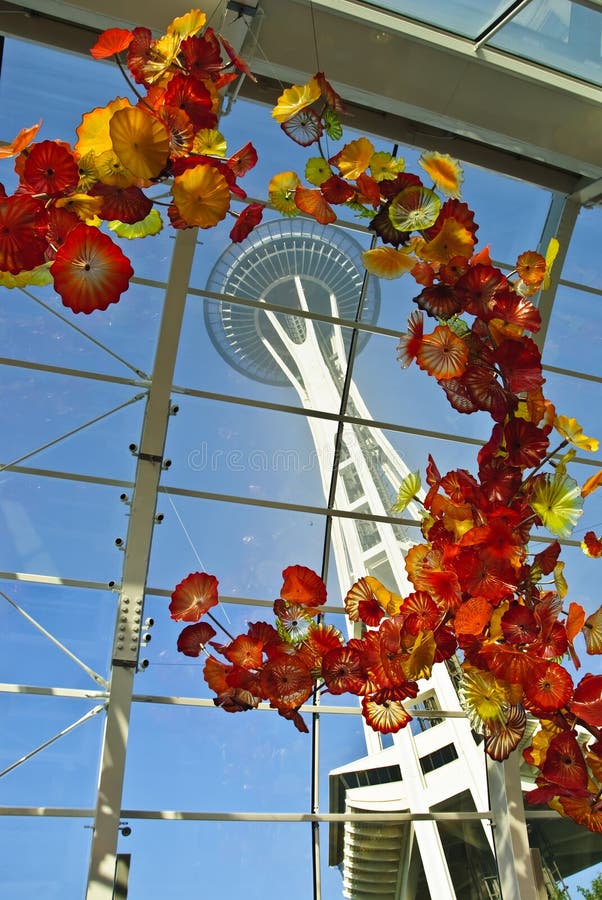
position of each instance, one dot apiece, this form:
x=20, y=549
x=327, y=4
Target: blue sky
x=186, y=757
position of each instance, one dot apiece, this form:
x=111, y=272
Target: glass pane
x=206, y=759
x=33, y=333
x=42, y=519
x=58, y=404
x=413, y=400
x=571, y=341
x=62, y=774
x=231, y=449
x=561, y=35
x=219, y=859
x=468, y=18
x=245, y=547
x=583, y=264
x=44, y=857
x=82, y=620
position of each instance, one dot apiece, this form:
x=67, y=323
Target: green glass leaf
x=360, y=210
x=32, y=277
x=459, y=327
x=151, y=224
x=317, y=170
x=332, y=125
x=560, y=581
x=408, y=490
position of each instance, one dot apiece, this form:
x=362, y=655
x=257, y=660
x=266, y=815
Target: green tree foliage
x=594, y=891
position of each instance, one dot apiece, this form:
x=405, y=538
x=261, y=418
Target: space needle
x=299, y=265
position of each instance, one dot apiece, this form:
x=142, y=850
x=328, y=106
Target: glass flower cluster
x=480, y=590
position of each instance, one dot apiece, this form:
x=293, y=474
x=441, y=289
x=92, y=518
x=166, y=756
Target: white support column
x=516, y=874
x=426, y=833
x=135, y=567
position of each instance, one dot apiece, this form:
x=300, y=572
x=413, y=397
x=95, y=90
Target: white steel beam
x=560, y=222
x=45, y=691
x=35, y=578
x=9, y=688
x=168, y=815
x=73, y=373
x=135, y=568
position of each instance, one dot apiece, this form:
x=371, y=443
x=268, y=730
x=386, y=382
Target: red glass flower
x=90, y=271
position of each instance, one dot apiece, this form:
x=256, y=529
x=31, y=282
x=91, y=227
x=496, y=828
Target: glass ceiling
x=216, y=803
x=565, y=35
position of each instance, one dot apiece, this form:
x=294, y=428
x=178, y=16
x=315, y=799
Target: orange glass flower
x=302, y=585
x=193, y=597
x=442, y=353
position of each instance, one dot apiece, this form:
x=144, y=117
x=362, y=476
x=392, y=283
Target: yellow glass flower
x=414, y=209
x=140, y=140
x=385, y=167
x=483, y=697
x=296, y=98
x=421, y=658
x=551, y=254
x=453, y=240
x=592, y=632
x=93, y=131
x=385, y=597
x=151, y=224
x=162, y=58
x=202, y=196
x=407, y=491
x=187, y=25
x=445, y=171
x=110, y=170
x=354, y=158
x=210, y=142
x=571, y=431
x=560, y=582
x=387, y=262
x=84, y=206
x=88, y=173
x=281, y=191
x=36, y=277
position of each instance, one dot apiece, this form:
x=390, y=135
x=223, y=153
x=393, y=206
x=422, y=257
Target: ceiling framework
x=424, y=86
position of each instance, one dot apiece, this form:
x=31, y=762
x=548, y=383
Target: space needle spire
x=303, y=267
